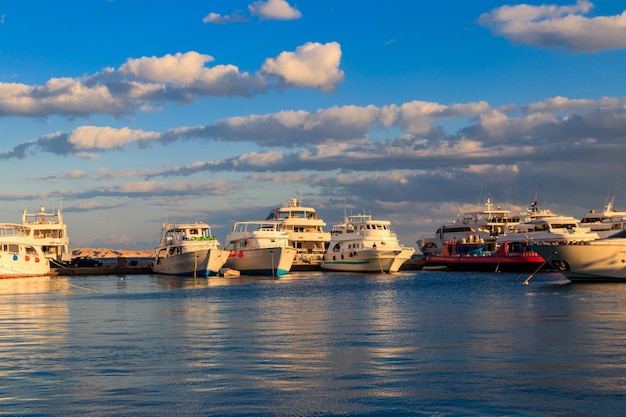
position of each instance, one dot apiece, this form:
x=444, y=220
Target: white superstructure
x=50, y=233
x=605, y=223
x=554, y=228
x=305, y=230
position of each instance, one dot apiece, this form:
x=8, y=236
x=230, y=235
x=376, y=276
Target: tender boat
x=360, y=244
x=20, y=254
x=50, y=232
x=260, y=248
x=188, y=249
x=601, y=260
x=476, y=255
x=605, y=223
x=305, y=229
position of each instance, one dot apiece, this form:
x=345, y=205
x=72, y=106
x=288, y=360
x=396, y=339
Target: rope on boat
x=537, y=270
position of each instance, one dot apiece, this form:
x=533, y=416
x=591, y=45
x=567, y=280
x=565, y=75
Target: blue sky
x=127, y=113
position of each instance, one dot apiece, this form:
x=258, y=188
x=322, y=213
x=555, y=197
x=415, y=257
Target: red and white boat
x=479, y=256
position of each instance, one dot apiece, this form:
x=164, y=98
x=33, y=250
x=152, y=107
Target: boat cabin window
x=563, y=225
x=454, y=229
x=591, y=220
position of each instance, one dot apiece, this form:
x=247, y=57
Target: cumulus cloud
x=312, y=65
x=141, y=83
x=274, y=10
x=263, y=9
x=551, y=26
x=183, y=68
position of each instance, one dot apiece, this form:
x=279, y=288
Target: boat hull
x=17, y=266
x=521, y=263
x=587, y=263
x=203, y=262
x=366, y=261
x=262, y=261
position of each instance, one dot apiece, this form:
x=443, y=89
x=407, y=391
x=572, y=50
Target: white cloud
x=94, y=137
x=169, y=68
x=58, y=96
x=143, y=84
x=216, y=18
x=552, y=26
x=313, y=65
x=274, y=9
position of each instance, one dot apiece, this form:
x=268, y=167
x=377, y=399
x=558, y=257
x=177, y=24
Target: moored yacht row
x=291, y=237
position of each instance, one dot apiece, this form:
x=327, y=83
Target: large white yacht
x=596, y=260
x=259, y=247
x=20, y=254
x=188, y=249
x=360, y=244
x=50, y=232
x=305, y=230
x=605, y=223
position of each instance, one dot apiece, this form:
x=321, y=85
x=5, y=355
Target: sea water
x=420, y=343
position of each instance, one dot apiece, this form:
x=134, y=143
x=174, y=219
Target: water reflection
x=310, y=344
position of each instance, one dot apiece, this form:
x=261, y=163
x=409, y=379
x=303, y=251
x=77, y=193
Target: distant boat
x=20, y=255
x=305, y=229
x=188, y=249
x=605, y=223
x=476, y=255
x=486, y=224
x=601, y=260
x=50, y=232
x=553, y=228
x=361, y=244
x=260, y=248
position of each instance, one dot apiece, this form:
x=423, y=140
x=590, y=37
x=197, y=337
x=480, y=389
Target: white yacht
x=601, y=260
x=360, y=244
x=50, y=233
x=20, y=254
x=553, y=228
x=188, y=249
x=475, y=225
x=605, y=223
x=260, y=248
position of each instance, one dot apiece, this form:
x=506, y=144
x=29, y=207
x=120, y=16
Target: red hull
x=502, y=260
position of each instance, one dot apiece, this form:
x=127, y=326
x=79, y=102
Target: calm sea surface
x=312, y=344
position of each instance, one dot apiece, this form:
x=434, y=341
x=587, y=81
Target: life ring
x=240, y=255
